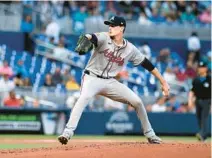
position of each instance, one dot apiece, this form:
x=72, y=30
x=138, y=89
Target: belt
x=92, y=74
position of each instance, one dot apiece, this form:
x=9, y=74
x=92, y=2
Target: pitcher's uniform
x=106, y=61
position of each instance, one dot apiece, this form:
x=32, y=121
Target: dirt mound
x=114, y=150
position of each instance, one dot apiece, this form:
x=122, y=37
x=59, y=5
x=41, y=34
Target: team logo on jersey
x=109, y=54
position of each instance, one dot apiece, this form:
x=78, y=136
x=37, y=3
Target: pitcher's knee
x=85, y=98
x=136, y=103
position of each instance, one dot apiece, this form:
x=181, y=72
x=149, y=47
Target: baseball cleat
x=199, y=137
x=62, y=140
x=154, y=140
x=67, y=134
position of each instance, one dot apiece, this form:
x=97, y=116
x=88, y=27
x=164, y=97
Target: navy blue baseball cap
x=116, y=21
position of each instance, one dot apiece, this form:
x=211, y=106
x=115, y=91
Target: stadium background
x=37, y=41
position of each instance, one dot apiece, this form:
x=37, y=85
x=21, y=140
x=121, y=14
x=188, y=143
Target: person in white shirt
x=146, y=50
x=194, y=42
x=53, y=30
x=194, y=47
x=6, y=86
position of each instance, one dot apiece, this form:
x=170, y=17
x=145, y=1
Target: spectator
x=180, y=74
x=66, y=76
x=26, y=82
x=157, y=17
x=60, y=52
x=19, y=82
x=57, y=77
x=143, y=20
x=181, y=7
x=205, y=17
x=183, y=108
x=12, y=101
x=188, y=16
x=169, y=76
x=79, y=19
x=48, y=81
x=96, y=17
x=53, y=30
x=5, y=87
x=72, y=84
x=169, y=9
x=20, y=70
x=27, y=25
x=45, y=8
x=6, y=69
x=159, y=106
x=146, y=50
x=172, y=103
x=194, y=47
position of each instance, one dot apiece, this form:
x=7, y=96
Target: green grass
x=22, y=146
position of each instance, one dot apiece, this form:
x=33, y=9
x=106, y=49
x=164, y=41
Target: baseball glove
x=84, y=45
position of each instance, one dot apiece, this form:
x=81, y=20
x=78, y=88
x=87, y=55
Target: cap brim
x=109, y=23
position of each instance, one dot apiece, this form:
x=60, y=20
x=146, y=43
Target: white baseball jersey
x=108, y=59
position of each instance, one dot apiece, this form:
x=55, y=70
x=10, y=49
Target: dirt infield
x=109, y=149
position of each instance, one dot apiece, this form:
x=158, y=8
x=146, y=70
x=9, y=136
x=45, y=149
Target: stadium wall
x=52, y=121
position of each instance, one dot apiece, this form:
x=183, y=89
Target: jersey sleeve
x=101, y=37
x=137, y=57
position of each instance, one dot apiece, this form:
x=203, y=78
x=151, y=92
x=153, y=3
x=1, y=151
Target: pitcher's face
x=115, y=30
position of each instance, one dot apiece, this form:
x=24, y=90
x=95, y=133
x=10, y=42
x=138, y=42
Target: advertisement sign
x=20, y=122
x=119, y=122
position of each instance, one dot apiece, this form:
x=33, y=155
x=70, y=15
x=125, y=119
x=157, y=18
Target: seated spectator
x=48, y=81
x=146, y=50
x=188, y=16
x=12, y=100
x=159, y=106
x=168, y=9
x=19, y=82
x=79, y=19
x=6, y=69
x=57, y=77
x=26, y=82
x=27, y=25
x=172, y=103
x=169, y=75
x=5, y=87
x=180, y=74
x=143, y=20
x=53, y=30
x=60, y=52
x=194, y=47
x=205, y=17
x=72, y=84
x=184, y=108
x=157, y=17
x=66, y=76
x=164, y=55
x=20, y=70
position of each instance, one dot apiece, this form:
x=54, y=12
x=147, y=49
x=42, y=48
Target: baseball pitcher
x=110, y=52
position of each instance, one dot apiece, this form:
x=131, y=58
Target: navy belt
x=92, y=74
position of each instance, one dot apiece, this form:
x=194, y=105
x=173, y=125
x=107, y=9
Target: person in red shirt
x=12, y=101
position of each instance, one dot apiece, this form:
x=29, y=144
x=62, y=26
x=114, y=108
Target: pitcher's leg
x=77, y=112
x=89, y=89
x=119, y=92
